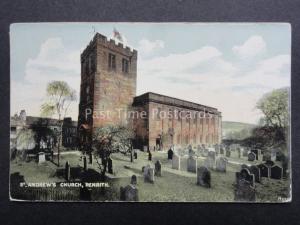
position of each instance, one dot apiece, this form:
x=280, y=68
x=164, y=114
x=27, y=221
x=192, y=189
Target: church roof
x=167, y=100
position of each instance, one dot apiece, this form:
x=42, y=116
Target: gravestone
x=84, y=163
x=245, y=152
x=191, y=152
x=176, y=162
x=222, y=151
x=217, y=148
x=243, y=190
x=148, y=174
x=273, y=155
x=212, y=155
x=221, y=164
x=210, y=161
x=129, y=193
x=110, y=165
x=255, y=151
x=228, y=153
x=239, y=152
x=149, y=156
x=90, y=158
x=259, y=154
x=135, y=155
x=158, y=168
x=276, y=172
x=67, y=171
x=203, y=177
x=251, y=156
x=256, y=172
x=264, y=170
x=205, y=152
x=42, y=157
x=266, y=156
x=133, y=180
x=246, y=175
x=170, y=154
x=192, y=164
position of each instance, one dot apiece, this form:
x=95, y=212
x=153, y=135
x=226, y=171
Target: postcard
x=150, y=112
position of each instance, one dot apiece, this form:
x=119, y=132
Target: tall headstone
x=228, y=153
x=273, y=155
x=170, y=154
x=221, y=164
x=145, y=148
x=129, y=193
x=148, y=174
x=67, y=171
x=158, y=168
x=264, y=170
x=276, y=172
x=243, y=190
x=203, y=177
x=133, y=180
x=135, y=154
x=210, y=161
x=255, y=151
x=256, y=172
x=42, y=157
x=110, y=165
x=239, y=152
x=192, y=164
x=84, y=163
x=246, y=175
x=149, y=156
x=176, y=162
x=259, y=154
x=90, y=158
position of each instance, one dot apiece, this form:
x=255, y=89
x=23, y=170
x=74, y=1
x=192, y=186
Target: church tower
x=108, y=83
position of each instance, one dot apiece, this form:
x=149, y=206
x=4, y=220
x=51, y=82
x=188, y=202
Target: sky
x=229, y=66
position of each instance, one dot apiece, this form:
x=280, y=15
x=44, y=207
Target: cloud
x=53, y=62
x=206, y=77
x=146, y=47
x=177, y=63
x=252, y=47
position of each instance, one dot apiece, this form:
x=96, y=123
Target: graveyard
x=173, y=179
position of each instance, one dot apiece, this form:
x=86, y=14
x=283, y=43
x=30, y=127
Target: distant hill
x=236, y=130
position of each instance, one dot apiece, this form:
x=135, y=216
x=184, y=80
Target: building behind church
x=108, y=86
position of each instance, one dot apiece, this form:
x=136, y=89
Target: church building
x=108, y=89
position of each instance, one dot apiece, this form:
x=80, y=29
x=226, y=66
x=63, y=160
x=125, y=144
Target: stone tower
x=108, y=83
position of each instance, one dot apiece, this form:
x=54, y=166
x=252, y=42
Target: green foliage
x=274, y=106
x=273, y=130
x=25, y=139
x=110, y=139
x=59, y=97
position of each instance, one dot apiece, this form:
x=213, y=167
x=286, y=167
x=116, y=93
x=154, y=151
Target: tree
x=25, y=141
x=110, y=139
x=275, y=123
x=58, y=100
x=274, y=106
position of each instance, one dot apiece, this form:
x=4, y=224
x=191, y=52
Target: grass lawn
x=174, y=185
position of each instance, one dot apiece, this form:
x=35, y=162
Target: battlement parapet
x=110, y=44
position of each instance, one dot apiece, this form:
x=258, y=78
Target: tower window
x=112, y=61
x=125, y=65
